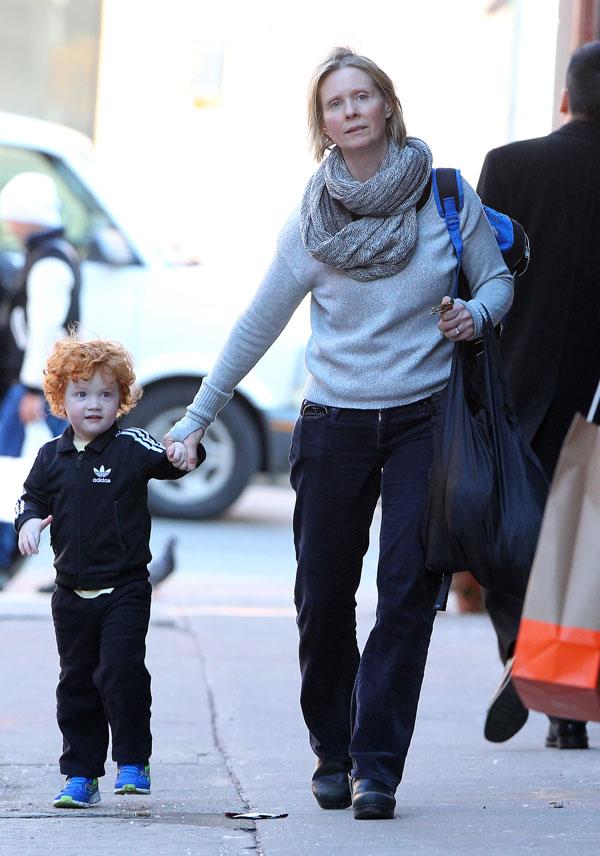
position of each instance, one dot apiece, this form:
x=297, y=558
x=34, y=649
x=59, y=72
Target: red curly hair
x=73, y=360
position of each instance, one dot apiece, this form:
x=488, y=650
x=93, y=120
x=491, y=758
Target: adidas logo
x=102, y=475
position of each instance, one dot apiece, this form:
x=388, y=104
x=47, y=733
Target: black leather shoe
x=567, y=734
x=331, y=785
x=506, y=714
x=372, y=800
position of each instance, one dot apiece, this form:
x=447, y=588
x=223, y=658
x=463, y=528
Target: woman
x=370, y=247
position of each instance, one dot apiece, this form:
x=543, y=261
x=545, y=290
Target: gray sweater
x=373, y=344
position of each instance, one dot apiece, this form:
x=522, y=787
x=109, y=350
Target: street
x=228, y=734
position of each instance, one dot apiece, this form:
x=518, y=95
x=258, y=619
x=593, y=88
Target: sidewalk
x=229, y=736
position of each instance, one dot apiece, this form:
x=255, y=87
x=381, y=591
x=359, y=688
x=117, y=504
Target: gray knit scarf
x=366, y=228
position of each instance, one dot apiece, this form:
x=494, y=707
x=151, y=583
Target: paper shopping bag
x=557, y=657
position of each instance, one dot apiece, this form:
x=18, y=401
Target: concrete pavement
x=229, y=736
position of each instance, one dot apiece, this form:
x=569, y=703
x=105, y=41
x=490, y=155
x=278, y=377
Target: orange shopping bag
x=557, y=657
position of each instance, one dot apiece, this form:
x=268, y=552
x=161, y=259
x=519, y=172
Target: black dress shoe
x=567, y=734
x=506, y=714
x=372, y=800
x=331, y=785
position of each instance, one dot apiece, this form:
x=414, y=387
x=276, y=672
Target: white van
x=132, y=293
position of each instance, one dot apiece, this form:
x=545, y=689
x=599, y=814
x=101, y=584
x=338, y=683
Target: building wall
x=579, y=22
x=224, y=167
x=49, y=59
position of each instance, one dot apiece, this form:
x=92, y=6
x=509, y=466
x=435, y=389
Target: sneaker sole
x=131, y=789
x=69, y=802
x=506, y=715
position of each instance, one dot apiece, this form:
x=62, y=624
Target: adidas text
x=102, y=475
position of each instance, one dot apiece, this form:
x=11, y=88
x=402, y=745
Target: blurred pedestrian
x=551, y=339
x=370, y=248
x=90, y=486
x=43, y=302
x=7, y=279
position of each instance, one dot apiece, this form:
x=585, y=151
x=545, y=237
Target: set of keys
x=442, y=307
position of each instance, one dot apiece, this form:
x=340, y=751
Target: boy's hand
x=29, y=534
x=177, y=455
x=191, y=447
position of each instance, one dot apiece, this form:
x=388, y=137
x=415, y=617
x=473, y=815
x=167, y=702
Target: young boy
x=90, y=486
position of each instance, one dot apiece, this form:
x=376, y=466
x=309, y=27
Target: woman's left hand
x=457, y=323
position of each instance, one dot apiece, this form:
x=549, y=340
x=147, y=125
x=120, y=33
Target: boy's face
x=91, y=405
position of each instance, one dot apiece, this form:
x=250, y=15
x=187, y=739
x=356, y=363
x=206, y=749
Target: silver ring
x=457, y=331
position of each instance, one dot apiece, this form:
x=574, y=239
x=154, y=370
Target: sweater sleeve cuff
x=474, y=308
x=207, y=403
x=186, y=426
x=202, y=411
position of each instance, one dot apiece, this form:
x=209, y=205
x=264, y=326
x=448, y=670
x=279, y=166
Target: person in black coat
x=551, y=340
x=7, y=278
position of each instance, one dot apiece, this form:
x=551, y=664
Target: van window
x=85, y=222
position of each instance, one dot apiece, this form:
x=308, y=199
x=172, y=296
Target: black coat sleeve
x=34, y=502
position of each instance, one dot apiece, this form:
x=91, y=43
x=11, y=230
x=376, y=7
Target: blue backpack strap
x=448, y=193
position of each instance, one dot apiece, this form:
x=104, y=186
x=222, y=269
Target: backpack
x=510, y=235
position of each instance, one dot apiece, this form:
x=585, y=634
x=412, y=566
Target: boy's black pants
x=103, y=677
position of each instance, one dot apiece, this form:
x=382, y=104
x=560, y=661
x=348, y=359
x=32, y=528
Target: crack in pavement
x=219, y=745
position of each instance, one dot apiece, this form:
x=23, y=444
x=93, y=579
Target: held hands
x=186, y=459
x=456, y=323
x=177, y=455
x=29, y=534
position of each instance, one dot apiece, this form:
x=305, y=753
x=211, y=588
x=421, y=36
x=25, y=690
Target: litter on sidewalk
x=253, y=815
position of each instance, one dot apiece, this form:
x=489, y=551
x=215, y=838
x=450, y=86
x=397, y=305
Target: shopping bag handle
x=594, y=405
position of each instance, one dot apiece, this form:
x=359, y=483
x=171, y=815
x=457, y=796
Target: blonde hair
x=73, y=360
x=342, y=58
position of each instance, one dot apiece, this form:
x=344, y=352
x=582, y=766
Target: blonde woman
x=368, y=244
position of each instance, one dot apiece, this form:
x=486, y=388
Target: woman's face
x=354, y=111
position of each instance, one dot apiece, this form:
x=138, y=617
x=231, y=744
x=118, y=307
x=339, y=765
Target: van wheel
x=232, y=454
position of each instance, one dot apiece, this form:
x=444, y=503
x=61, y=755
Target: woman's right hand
x=191, y=446
x=456, y=323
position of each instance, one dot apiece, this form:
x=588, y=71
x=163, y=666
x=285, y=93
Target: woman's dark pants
x=103, y=678
x=362, y=709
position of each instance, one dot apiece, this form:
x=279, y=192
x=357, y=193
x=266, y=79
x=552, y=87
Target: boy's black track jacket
x=100, y=528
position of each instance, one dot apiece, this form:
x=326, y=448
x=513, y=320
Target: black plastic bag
x=488, y=489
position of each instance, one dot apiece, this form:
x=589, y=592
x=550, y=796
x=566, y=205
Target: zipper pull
x=79, y=460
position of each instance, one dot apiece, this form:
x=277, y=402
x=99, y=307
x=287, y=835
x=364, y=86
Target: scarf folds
x=368, y=229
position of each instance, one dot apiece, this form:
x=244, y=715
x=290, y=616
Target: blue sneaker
x=78, y=792
x=133, y=779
